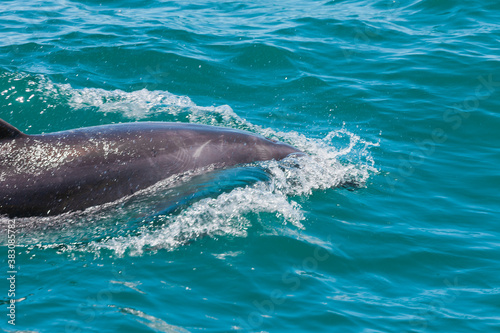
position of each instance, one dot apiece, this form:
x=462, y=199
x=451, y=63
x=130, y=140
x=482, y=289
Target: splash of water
x=340, y=158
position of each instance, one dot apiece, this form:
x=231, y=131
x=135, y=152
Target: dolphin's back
x=71, y=170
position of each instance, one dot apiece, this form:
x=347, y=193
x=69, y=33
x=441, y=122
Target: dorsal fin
x=7, y=131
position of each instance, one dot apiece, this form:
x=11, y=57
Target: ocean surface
x=390, y=224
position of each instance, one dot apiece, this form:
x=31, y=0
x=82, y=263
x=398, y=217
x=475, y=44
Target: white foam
x=340, y=157
x=227, y=214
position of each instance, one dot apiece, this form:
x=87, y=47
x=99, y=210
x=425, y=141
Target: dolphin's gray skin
x=50, y=174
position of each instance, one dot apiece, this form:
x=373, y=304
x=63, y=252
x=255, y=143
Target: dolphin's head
x=268, y=149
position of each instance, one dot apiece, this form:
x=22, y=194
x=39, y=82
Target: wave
x=186, y=207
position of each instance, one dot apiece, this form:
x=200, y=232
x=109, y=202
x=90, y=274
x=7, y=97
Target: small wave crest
x=340, y=158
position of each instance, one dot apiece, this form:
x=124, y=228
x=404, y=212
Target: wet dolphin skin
x=53, y=173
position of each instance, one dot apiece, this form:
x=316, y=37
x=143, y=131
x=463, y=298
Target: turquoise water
x=390, y=225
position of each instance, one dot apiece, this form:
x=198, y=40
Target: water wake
x=216, y=206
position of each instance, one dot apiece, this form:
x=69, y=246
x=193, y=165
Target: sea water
x=390, y=224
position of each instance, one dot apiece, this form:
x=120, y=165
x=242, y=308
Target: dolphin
x=54, y=173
